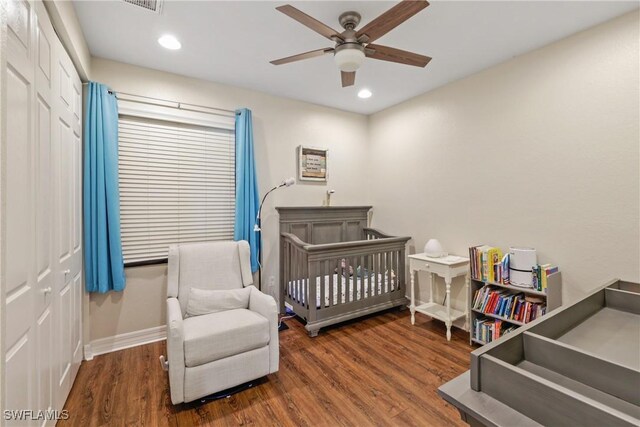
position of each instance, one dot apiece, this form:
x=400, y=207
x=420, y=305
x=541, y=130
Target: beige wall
x=280, y=125
x=542, y=150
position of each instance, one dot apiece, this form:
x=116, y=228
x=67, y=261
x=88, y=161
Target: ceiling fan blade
x=386, y=53
x=301, y=56
x=348, y=78
x=309, y=22
x=391, y=19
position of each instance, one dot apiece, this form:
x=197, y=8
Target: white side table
x=447, y=268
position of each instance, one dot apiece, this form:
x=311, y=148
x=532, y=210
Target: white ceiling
x=232, y=42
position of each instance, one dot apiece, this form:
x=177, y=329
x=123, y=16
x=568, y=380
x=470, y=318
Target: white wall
x=280, y=125
x=65, y=22
x=542, y=150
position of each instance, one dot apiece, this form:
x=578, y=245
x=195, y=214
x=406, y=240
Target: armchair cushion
x=218, y=335
x=205, y=301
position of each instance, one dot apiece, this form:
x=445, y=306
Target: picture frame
x=312, y=164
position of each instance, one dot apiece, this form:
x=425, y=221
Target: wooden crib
x=356, y=270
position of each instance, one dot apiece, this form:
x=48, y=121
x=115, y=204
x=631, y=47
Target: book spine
x=484, y=265
x=473, y=276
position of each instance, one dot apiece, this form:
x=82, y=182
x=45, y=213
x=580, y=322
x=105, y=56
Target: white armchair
x=216, y=351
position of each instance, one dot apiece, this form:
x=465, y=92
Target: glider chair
x=221, y=331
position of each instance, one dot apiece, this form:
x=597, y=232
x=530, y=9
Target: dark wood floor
x=374, y=371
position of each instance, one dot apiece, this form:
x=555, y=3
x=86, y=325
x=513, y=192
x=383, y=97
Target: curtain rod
x=113, y=92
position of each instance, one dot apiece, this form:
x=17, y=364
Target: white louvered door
x=177, y=184
x=41, y=233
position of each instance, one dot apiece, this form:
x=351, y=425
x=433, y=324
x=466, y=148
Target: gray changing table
x=577, y=366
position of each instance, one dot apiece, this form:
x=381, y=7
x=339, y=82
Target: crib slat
x=331, y=282
x=292, y=276
x=299, y=277
x=359, y=276
x=290, y=272
x=399, y=268
x=306, y=282
x=344, y=284
x=387, y=262
x=354, y=279
x=369, y=277
x=323, y=278
x=376, y=269
x=394, y=267
x=294, y=256
x=362, y=279
x=349, y=281
x=345, y=279
x=286, y=280
x=339, y=281
x=392, y=271
x=402, y=272
x=383, y=272
x=365, y=276
x=312, y=287
x=351, y=285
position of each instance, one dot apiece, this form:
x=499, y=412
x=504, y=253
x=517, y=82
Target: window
x=177, y=184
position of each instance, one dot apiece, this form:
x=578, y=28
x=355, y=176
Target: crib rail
x=294, y=271
x=328, y=282
x=372, y=233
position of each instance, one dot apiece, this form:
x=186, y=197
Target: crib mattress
x=349, y=292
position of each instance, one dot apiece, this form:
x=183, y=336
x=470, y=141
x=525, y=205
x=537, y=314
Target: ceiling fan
x=352, y=45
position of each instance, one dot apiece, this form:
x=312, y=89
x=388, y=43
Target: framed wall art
x=312, y=164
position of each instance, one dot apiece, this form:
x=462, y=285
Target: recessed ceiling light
x=169, y=42
x=364, y=93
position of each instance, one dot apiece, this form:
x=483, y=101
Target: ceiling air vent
x=150, y=5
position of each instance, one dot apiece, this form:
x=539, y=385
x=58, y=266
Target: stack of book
x=486, y=264
x=510, y=306
x=540, y=274
x=487, y=330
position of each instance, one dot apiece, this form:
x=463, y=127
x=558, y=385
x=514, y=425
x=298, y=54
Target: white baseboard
x=122, y=341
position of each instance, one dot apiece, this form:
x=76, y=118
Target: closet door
x=20, y=287
x=67, y=256
x=42, y=171
x=42, y=225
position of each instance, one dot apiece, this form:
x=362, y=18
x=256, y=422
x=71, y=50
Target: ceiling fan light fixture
x=349, y=57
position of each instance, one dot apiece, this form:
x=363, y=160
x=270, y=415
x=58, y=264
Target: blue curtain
x=247, y=198
x=104, y=267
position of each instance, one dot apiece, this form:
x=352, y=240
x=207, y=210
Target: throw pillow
x=206, y=301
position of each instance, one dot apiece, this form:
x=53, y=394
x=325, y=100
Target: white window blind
x=177, y=184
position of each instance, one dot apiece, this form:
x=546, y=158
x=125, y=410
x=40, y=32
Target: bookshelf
x=552, y=298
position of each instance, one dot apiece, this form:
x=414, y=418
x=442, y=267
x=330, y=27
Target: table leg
x=467, y=291
x=431, y=281
x=412, y=307
x=447, y=281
